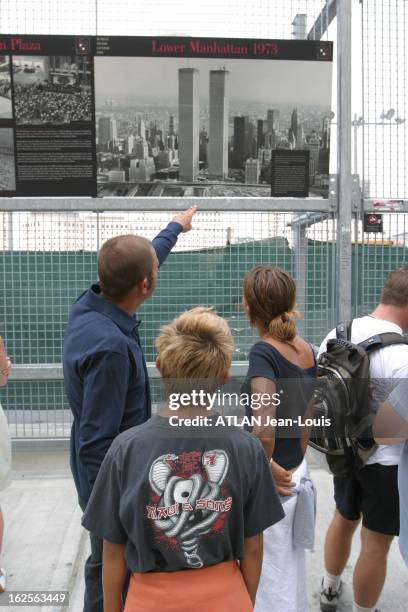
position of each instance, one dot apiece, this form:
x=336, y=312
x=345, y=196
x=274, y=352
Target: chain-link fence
x=48, y=253
x=384, y=119
x=53, y=260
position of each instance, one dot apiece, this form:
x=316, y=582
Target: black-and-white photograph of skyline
x=5, y=88
x=207, y=127
x=53, y=90
x=7, y=166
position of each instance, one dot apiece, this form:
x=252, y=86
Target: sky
x=268, y=81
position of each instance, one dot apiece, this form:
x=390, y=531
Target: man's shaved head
x=123, y=262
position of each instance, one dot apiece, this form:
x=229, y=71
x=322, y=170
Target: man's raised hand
x=185, y=218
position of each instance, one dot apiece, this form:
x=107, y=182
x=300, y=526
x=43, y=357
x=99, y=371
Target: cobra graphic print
x=189, y=499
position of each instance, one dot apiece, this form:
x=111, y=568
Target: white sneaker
x=2, y=580
x=329, y=598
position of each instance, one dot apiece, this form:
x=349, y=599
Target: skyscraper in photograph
x=240, y=141
x=141, y=129
x=218, y=137
x=107, y=130
x=252, y=135
x=272, y=127
x=272, y=119
x=129, y=144
x=300, y=136
x=203, y=146
x=294, y=122
x=314, y=148
x=141, y=149
x=189, y=117
x=260, y=133
x=326, y=132
x=252, y=171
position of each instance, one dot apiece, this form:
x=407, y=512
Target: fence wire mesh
x=385, y=111
x=240, y=18
x=48, y=258
x=46, y=268
x=375, y=255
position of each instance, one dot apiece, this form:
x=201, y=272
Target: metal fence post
x=300, y=263
x=344, y=149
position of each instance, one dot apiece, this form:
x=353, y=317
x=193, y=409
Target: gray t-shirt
x=399, y=402
x=181, y=501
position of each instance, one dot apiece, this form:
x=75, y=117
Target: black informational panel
x=373, y=223
x=47, y=116
x=159, y=116
x=290, y=173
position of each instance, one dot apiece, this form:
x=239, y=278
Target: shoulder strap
x=314, y=352
x=343, y=331
x=381, y=340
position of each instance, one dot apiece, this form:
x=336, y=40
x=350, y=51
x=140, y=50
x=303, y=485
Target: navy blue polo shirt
x=105, y=374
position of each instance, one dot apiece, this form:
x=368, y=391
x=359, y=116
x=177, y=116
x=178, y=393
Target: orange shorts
x=218, y=588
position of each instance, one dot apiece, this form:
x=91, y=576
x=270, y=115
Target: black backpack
x=343, y=406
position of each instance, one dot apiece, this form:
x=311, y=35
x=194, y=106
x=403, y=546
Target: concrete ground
x=45, y=546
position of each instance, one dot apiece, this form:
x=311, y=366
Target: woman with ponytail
x=282, y=371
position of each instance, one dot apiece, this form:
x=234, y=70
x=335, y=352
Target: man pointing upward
x=105, y=372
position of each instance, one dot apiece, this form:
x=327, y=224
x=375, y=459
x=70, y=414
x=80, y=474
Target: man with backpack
x=368, y=488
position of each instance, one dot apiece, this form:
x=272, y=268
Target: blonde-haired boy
x=184, y=513
x=195, y=348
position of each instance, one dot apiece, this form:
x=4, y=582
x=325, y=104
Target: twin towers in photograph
x=189, y=124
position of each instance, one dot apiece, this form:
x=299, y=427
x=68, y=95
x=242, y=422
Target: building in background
x=272, y=127
x=140, y=149
x=171, y=126
x=189, y=117
x=240, y=142
x=129, y=144
x=299, y=27
x=116, y=176
x=252, y=171
x=314, y=148
x=107, y=131
x=141, y=170
x=86, y=231
x=203, y=146
x=261, y=130
x=218, y=137
x=141, y=129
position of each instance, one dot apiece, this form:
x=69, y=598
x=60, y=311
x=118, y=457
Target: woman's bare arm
x=261, y=390
x=266, y=433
